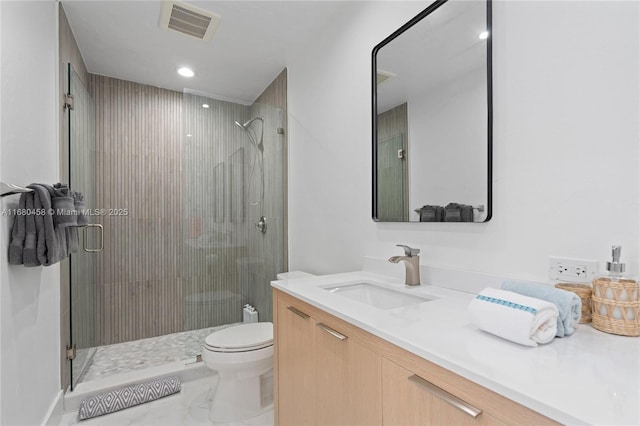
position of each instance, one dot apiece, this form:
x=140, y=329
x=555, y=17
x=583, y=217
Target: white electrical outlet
x=572, y=270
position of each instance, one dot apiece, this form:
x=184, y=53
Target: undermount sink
x=377, y=296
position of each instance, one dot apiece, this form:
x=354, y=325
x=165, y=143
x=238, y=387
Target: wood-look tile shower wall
x=139, y=168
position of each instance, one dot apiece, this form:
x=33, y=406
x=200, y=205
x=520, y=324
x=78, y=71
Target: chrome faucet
x=412, y=264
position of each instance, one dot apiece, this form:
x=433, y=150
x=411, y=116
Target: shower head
x=258, y=144
x=246, y=125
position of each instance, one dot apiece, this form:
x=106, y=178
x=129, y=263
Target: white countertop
x=588, y=378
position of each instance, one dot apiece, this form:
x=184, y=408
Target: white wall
x=29, y=297
x=565, y=143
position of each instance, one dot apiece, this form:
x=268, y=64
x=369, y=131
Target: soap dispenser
x=616, y=300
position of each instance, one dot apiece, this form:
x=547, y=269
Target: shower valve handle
x=262, y=224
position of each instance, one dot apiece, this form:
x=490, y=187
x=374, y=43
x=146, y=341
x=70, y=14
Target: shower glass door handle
x=85, y=245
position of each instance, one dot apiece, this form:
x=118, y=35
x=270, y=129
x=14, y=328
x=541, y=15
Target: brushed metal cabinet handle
x=331, y=331
x=446, y=396
x=298, y=312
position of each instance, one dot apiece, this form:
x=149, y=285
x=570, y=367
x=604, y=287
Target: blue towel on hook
x=568, y=303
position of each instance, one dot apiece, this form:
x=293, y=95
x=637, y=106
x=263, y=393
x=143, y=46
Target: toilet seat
x=241, y=338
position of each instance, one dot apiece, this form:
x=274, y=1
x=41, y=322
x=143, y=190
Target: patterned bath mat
x=129, y=396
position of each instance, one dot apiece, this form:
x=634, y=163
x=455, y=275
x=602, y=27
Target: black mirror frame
x=374, y=105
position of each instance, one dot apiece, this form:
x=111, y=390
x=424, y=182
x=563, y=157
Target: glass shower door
x=82, y=264
x=267, y=254
x=227, y=260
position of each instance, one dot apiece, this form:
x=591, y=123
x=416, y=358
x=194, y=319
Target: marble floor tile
x=190, y=407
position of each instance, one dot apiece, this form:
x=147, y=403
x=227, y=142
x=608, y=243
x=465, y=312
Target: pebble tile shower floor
x=144, y=353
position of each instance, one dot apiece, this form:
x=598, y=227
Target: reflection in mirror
x=432, y=117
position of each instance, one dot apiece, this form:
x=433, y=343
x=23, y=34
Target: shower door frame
x=67, y=270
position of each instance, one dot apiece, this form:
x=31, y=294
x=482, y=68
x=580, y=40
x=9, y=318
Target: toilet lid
x=240, y=338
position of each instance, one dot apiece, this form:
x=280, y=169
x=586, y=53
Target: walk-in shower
x=181, y=187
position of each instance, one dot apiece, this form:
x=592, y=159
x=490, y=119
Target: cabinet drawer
x=408, y=399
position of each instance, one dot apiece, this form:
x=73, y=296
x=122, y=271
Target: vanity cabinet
x=330, y=372
x=324, y=376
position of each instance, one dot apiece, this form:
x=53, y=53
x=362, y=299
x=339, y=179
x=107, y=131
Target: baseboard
x=54, y=414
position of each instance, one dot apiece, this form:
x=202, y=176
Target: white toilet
x=243, y=357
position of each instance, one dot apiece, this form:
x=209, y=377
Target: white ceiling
x=255, y=39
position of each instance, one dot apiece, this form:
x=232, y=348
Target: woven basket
x=584, y=292
x=616, y=306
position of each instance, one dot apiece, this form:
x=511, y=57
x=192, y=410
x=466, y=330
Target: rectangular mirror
x=432, y=117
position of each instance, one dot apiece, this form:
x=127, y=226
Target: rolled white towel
x=512, y=316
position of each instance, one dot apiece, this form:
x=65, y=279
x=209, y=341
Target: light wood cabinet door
x=296, y=366
x=348, y=379
x=408, y=399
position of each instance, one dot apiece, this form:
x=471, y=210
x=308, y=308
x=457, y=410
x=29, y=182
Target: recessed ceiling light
x=483, y=35
x=189, y=135
x=205, y=105
x=186, y=72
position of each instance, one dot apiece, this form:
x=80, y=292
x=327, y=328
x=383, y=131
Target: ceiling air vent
x=188, y=19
